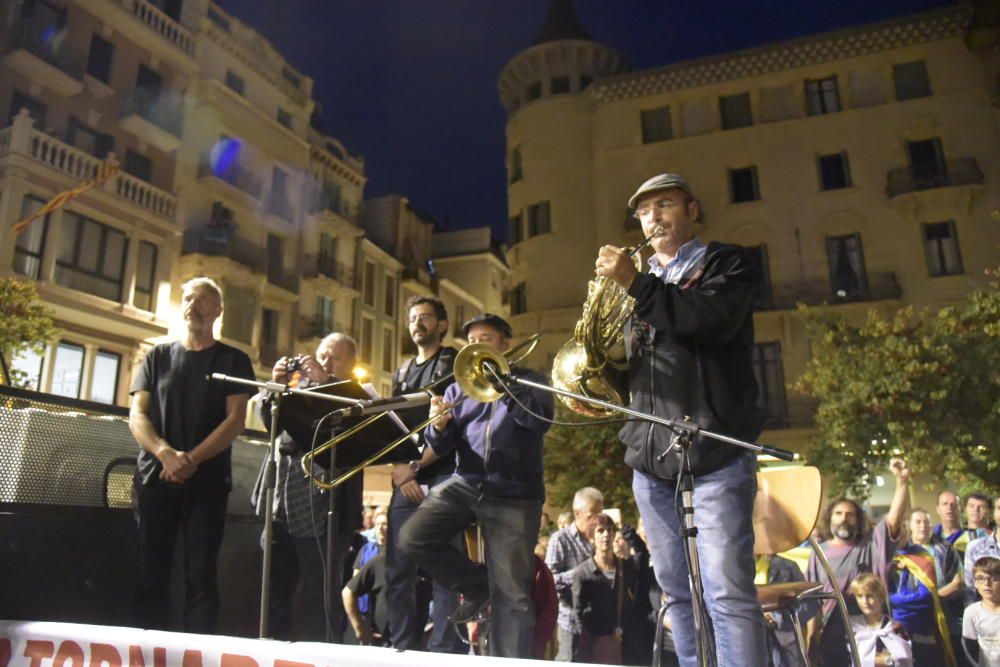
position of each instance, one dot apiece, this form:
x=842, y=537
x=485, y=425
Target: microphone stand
x=685, y=433
x=276, y=391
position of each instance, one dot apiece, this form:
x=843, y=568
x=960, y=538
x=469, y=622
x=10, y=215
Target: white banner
x=42, y=644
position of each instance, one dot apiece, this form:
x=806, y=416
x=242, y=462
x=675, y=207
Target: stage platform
x=48, y=644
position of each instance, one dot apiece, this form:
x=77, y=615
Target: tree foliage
x=922, y=384
x=25, y=323
x=588, y=454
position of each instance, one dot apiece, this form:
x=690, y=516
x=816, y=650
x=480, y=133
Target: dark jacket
x=690, y=349
x=499, y=444
x=441, y=377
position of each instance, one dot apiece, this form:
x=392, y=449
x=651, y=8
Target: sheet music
x=373, y=393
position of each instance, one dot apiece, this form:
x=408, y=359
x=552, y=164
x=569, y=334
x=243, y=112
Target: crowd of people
x=591, y=590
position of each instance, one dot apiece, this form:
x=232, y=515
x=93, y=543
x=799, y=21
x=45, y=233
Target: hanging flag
x=107, y=170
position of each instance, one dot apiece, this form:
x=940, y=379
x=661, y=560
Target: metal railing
x=286, y=279
x=321, y=265
x=785, y=296
x=165, y=110
x=961, y=171
x=220, y=242
x=39, y=40
x=235, y=175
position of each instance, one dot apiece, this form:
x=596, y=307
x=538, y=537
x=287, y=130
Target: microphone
x=378, y=405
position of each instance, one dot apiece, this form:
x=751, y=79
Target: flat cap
x=660, y=182
x=495, y=321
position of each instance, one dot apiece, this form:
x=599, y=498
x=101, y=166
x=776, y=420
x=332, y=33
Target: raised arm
x=900, y=499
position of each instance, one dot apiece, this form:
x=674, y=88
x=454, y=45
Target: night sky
x=412, y=84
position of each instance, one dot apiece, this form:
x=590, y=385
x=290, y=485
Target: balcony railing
x=314, y=327
x=164, y=110
x=284, y=278
x=22, y=138
x=796, y=412
x=221, y=242
x=235, y=175
x=785, y=296
x=320, y=265
x=961, y=171
x=279, y=206
x=160, y=23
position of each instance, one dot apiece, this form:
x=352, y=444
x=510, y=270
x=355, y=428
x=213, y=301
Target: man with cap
x=497, y=483
x=690, y=348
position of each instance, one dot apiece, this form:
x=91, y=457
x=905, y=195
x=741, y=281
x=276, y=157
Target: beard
x=844, y=532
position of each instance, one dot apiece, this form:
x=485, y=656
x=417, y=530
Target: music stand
x=302, y=415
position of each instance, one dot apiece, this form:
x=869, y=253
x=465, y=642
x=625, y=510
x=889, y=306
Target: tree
x=924, y=385
x=588, y=454
x=25, y=323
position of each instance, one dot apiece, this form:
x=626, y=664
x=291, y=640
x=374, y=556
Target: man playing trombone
x=497, y=482
x=690, y=347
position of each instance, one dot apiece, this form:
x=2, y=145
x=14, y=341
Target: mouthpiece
x=649, y=239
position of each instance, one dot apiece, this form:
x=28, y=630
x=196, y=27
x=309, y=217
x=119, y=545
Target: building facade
x=861, y=167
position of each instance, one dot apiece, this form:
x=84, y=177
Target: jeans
x=569, y=644
x=723, y=503
x=509, y=528
x=160, y=510
x=401, y=598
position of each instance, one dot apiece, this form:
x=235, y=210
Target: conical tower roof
x=562, y=23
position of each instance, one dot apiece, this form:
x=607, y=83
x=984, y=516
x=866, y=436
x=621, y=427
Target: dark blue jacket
x=499, y=444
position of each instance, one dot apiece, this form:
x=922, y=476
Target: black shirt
x=185, y=406
x=370, y=581
x=413, y=376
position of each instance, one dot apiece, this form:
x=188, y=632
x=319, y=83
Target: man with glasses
x=690, y=345
x=427, y=320
x=983, y=547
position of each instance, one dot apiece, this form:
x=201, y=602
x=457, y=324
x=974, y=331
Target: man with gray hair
x=185, y=426
x=568, y=548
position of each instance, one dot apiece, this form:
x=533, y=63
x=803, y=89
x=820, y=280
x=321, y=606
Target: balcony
x=32, y=52
x=42, y=149
x=279, y=206
x=796, y=412
x=314, y=327
x=155, y=117
x=321, y=266
x=235, y=176
x=286, y=279
x=785, y=296
x=217, y=241
x=153, y=18
x=904, y=180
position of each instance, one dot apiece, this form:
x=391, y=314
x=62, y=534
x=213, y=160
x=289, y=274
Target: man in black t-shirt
x=427, y=320
x=371, y=627
x=185, y=425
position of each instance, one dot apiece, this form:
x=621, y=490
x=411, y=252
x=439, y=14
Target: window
x=834, y=173
x=269, y=323
x=91, y=257
x=927, y=164
x=941, y=249
x=234, y=82
x=30, y=243
x=656, y=125
x=145, y=276
x=560, y=85
x=743, y=185
x=67, y=371
x=459, y=319
x=238, y=317
x=36, y=109
x=275, y=253
x=29, y=363
x=390, y=297
x=515, y=165
x=848, y=278
x=822, y=96
x=387, y=350
x=104, y=379
x=770, y=376
x=277, y=203
x=324, y=315
x=331, y=197
x=539, y=219
x=514, y=230
x=735, y=111
x=764, y=298
x=911, y=80
x=99, y=59
x=534, y=91
x=284, y=118
x=327, y=258
x=584, y=82
x=518, y=300
x=290, y=76
x=88, y=140
x=138, y=165
x=369, y=286
x=367, y=336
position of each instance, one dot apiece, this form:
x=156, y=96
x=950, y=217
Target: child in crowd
x=881, y=642
x=981, y=623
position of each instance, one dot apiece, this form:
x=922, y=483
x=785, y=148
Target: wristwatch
x=415, y=466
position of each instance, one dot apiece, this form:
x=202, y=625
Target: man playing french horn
x=690, y=355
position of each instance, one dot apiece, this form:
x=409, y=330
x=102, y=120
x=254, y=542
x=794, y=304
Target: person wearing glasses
x=427, y=321
x=690, y=347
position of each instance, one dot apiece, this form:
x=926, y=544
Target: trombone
x=463, y=372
